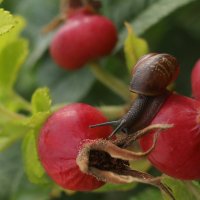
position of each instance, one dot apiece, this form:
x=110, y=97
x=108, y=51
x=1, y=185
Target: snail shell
x=153, y=73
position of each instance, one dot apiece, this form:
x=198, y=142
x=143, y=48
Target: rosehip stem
x=63, y=5
x=110, y=81
x=58, y=20
x=55, y=23
x=193, y=189
x=6, y=114
x=23, y=103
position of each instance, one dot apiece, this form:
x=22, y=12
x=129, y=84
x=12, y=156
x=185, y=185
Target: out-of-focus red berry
x=84, y=37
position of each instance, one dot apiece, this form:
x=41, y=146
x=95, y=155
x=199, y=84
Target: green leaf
x=134, y=47
x=39, y=42
x=40, y=46
x=37, y=120
x=41, y=104
x=10, y=132
x=7, y=21
x=7, y=115
x=13, y=52
x=13, y=102
x=10, y=171
x=197, y=183
x=1, y=1
x=182, y=190
x=65, y=86
x=188, y=19
x=33, y=167
x=11, y=59
x=13, y=34
x=152, y=15
x=28, y=191
x=150, y=194
x=12, y=127
x=13, y=183
x=41, y=101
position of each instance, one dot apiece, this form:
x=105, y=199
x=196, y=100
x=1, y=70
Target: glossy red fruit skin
x=61, y=139
x=177, y=151
x=195, y=79
x=84, y=37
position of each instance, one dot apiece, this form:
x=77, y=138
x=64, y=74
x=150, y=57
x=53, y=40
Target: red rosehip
x=177, y=151
x=84, y=37
x=195, y=77
x=61, y=139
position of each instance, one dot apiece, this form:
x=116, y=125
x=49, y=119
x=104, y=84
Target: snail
x=150, y=78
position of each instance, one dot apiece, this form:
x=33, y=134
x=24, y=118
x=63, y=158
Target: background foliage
x=171, y=26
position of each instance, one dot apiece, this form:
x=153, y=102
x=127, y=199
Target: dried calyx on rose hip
x=79, y=158
x=177, y=152
x=195, y=80
x=85, y=36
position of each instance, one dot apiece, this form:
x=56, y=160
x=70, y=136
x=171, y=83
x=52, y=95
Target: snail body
x=151, y=76
x=142, y=111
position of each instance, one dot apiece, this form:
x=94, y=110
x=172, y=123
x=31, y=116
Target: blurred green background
x=171, y=26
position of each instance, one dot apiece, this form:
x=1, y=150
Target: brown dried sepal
x=108, y=161
x=70, y=6
x=94, y=4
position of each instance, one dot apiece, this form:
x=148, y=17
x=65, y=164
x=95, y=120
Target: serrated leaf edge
x=12, y=26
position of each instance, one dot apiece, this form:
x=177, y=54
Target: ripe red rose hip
x=60, y=141
x=84, y=37
x=195, y=78
x=177, y=151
